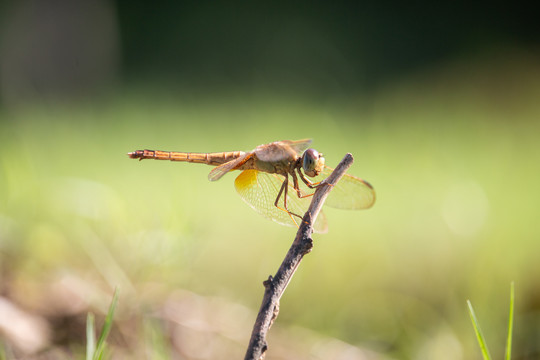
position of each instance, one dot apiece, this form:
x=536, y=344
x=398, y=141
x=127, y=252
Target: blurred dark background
x=317, y=48
x=313, y=46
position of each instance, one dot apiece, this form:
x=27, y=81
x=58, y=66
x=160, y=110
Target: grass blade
x=479, y=335
x=106, y=328
x=90, y=337
x=510, y=324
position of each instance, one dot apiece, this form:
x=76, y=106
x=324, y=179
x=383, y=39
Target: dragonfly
x=278, y=179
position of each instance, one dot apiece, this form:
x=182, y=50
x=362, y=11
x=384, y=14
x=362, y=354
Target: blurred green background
x=439, y=104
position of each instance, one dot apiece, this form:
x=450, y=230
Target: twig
x=275, y=286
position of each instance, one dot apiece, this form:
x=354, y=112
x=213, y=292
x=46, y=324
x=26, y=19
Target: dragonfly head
x=312, y=162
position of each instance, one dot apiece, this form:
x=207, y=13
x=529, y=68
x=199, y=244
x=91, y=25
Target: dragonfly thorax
x=312, y=162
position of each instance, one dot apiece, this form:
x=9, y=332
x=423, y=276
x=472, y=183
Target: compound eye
x=310, y=157
x=312, y=163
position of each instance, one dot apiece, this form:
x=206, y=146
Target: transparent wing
x=280, y=150
x=218, y=172
x=350, y=193
x=297, y=145
x=260, y=190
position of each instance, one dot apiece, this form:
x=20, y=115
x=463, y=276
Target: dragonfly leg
x=297, y=188
x=306, y=181
x=311, y=185
x=283, y=191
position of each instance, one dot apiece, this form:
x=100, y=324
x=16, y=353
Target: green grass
x=96, y=351
x=480, y=336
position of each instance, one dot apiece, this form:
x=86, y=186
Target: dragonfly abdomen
x=214, y=159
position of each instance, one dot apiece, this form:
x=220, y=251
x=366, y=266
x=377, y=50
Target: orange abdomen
x=214, y=159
